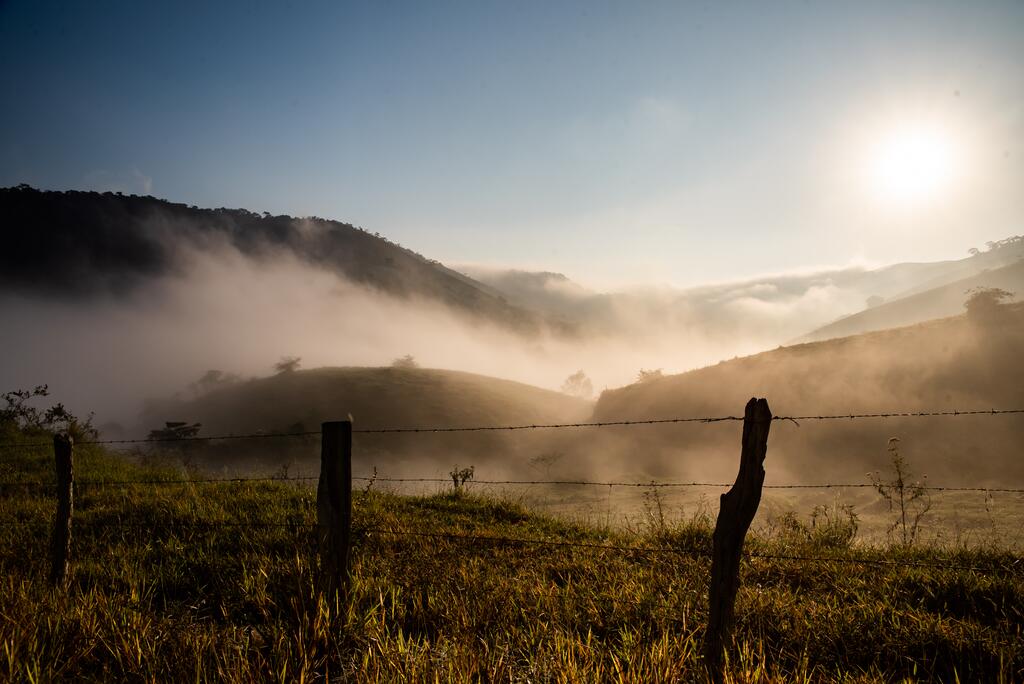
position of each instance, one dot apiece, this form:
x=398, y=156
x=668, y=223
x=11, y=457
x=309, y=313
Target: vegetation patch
x=217, y=582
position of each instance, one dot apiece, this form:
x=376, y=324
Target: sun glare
x=912, y=165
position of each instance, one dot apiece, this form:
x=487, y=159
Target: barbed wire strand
x=443, y=480
x=201, y=525
x=536, y=426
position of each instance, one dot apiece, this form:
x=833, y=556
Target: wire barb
x=548, y=426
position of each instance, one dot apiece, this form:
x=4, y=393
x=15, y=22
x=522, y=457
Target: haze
x=541, y=191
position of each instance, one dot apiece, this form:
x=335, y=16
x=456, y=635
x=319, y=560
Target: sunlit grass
x=160, y=592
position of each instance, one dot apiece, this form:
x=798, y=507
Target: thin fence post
x=334, y=507
x=60, y=541
x=736, y=512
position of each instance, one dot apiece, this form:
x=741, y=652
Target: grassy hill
x=376, y=398
x=217, y=582
x=956, y=363
x=937, y=302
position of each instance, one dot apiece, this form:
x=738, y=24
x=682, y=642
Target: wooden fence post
x=735, y=514
x=334, y=507
x=60, y=540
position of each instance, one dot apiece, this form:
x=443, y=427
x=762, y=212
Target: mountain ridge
x=921, y=305
x=80, y=243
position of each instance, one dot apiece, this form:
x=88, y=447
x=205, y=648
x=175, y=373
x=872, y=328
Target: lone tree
x=288, y=364
x=649, y=375
x=578, y=385
x=17, y=414
x=211, y=380
x=408, y=361
x=985, y=302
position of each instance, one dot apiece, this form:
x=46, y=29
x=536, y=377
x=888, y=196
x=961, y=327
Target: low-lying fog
x=212, y=304
x=239, y=313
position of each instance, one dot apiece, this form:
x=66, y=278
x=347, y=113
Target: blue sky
x=621, y=143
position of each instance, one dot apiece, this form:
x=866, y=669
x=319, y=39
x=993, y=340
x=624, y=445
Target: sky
x=623, y=144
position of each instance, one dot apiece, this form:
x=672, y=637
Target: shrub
x=830, y=527
x=908, y=499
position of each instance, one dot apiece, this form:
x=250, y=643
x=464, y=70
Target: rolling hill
x=958, y=363
x=376, y=398
x=937, y=302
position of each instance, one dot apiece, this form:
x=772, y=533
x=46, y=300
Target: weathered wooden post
x=60, y=540
x=334, y=507
x=735, y=514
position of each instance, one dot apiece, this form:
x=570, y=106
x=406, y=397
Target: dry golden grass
x=215, y=582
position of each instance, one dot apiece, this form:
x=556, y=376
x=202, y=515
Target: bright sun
x=912, y=165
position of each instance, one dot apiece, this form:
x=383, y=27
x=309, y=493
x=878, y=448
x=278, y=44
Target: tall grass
x=160, y=591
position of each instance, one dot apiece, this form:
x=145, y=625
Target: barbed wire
x=200, y=480
x=444, y=480
x=645, y=485
x=905, y=414
x=118, y=524
x=532, y=426
x=253, y=435
x=705, y=419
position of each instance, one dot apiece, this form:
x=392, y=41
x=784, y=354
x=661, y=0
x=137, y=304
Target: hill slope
x=956, y=363
x=938, y=302
x=383, y=397
x=75, y=244
x=726, y=318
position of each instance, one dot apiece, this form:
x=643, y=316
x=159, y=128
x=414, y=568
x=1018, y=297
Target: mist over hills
x=922, y=303
x=958, y=363
x=87, y=244
x=112, y=299
x=772, y=309
x=966, y=362
x=81, y=244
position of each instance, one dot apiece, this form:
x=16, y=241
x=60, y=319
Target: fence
x=334, y=530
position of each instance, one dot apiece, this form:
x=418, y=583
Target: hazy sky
x=619, y=143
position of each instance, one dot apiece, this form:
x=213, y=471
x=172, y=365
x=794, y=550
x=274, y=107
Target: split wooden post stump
x=60, y=540
x=334, y=508
x=736, y=512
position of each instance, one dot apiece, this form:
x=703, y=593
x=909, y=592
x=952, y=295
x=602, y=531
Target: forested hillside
x=84, y=243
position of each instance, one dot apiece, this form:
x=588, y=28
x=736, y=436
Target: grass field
x=215, y=582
